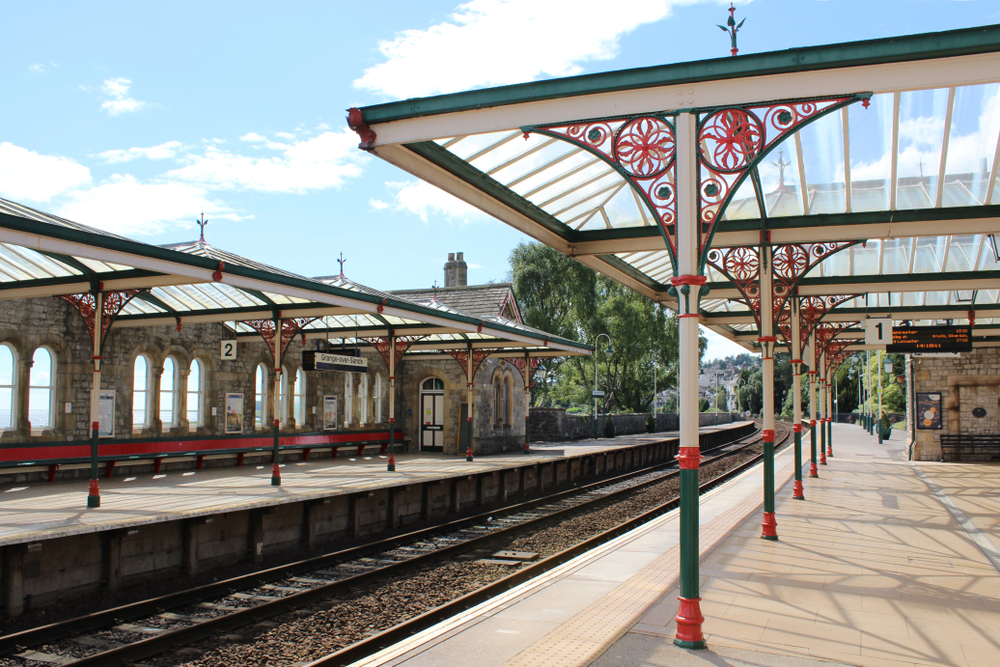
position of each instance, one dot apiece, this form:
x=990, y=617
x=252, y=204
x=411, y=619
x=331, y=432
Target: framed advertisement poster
x=928, y=410
x=106, y=413
x=234, y=413
x=329, y=413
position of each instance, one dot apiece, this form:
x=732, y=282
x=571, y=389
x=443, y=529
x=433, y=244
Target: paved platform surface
x=43, y=510
x=886, y=562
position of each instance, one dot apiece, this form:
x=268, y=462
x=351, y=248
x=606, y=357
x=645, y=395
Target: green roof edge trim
x=904, y=48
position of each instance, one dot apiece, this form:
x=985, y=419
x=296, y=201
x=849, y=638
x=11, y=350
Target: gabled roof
x=492, y=300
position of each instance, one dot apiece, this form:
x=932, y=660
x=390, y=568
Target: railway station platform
x=885, y=562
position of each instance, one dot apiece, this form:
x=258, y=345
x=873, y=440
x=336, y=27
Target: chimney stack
x=456, y=272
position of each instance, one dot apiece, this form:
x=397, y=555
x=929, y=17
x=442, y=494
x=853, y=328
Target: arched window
x=8, y=385
x=260, y=397
x=140, y=392
x=363, y=398
x=377, y=399
x=283, y=396
x=348, y=397
x=168, y=392
x=40, y=389
x=195, y=395
x=497, y=400
x=299, y=400
x=508, y=400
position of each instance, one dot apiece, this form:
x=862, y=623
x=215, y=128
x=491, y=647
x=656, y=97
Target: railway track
x=152, y=627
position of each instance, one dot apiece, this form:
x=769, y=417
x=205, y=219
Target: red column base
x=94, y=497
x=275, y=475
x=468, y=454
x=769, y=527
x=813, y=471
x=797, y=490
x=689, y=620
x=527, y=448
x=829, y=451
x=822, y=458
x=392, y=463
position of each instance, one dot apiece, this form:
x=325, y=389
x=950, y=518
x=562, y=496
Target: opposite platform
x=43, y=510
x=884, y=563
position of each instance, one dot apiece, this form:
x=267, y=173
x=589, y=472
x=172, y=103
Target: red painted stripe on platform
x=125, y=449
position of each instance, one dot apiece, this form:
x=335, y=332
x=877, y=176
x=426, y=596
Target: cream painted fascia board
x=881, y=78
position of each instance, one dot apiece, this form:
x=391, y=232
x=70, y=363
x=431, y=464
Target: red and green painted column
x=797, y=490
x=767, y=341
x=822, y=408
x=94, y=493
x=528, y=375
x=391, y=465
x=468, y=422
x=829, y=411
x=813, y=379
x=687, y=286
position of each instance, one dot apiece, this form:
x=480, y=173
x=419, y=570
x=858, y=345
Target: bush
x=609, y=427
x=650, y=423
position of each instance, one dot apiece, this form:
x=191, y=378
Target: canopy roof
x=44, y=255
x=913, y=175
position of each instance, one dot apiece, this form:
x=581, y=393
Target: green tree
x=561, y=296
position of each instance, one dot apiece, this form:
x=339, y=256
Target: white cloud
x=423, y=199
x=314, y=164
x=120, y=102
x=126, y=206
x=480, y=44
x=163, y=151
x=37, y=68
x=378, y=204
x=719, y=346
x=26, y=175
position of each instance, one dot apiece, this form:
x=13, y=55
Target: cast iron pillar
x=813, y=376
x=822, y=409
x=767, y=341
x=797, y=491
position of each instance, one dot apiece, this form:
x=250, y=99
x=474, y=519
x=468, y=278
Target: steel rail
x=169, y=639
x=397, y=633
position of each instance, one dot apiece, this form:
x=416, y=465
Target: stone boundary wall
x=554, y=425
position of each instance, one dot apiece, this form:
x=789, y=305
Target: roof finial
x=733, y=27
x=781, y=164
x=435, y=291
x=342, y=261
x=202, y=222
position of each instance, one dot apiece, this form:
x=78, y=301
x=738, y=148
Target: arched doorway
x=432, y=415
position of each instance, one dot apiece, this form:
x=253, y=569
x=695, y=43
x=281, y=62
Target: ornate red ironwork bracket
x=112, y=305
x=479, y=355
x=382, y=345
x=527, y=371
x=356, y=122
x=289, y=328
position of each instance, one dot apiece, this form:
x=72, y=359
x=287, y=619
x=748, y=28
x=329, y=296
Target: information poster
x=329, y=413
x=928, y=410
x=234, y=413
x=106, y=413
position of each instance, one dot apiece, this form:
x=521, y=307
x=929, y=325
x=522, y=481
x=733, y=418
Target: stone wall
x=554, y=425
x=966, y=382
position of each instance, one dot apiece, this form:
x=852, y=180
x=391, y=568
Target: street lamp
x=595, y=394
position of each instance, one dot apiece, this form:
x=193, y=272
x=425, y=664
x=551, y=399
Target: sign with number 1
x=878, y=331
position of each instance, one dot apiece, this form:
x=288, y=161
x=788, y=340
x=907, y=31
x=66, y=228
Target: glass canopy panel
x=623, y=210
x=870, y=146
x=542, y=154
x=962, y=253
x=936, y=298
x=743, y=205
x=922, y=115
x=925, y=258
x=470, y=146
x=39, y=265
x=912, y=299
x=837, y=264
x=975, y=129
x=895, y=256
x=865, y=259
x=239, y=298
x=173, y=298
x=821, y=147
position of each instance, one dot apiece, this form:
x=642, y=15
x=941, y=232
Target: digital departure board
x=930, y=339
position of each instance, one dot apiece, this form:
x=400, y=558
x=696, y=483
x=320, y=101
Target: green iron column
x=797, y=491
x=687, y=286
x=94, y=493
x=829, y=411
x=527, y=404
x=276, y=402
x=822, y=408
x=391, y=466
x=468, y=415
x=813, y=377
x=767, y=340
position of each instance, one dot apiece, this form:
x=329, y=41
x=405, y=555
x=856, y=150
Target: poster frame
x=234, y=405
x=106, y=413
x=330, y=409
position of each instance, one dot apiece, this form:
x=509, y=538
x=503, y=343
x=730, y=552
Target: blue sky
x=135, y=117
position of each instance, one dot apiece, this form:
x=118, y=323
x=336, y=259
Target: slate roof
x=476, y=300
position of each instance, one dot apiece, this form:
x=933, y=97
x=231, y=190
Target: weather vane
x=342, y=261
x=781, y=164
x=435, y=291
x=202, y=222
x=733, y=27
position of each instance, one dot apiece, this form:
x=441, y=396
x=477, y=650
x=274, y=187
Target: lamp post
x=654, y=390
x=596, y=341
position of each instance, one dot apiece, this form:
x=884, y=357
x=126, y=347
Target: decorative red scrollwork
x=289, y=328
x=113, y=304
x=641, y=148
x=479, y=355
x=731, y=141
x=825, y=334
x=382, y=345
x=532, y=366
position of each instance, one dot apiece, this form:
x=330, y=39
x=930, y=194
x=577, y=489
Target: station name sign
x=930, y=339
x=324, y=361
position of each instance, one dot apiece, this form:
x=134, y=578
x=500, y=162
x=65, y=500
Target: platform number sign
x=878, y=331
x=228, y=350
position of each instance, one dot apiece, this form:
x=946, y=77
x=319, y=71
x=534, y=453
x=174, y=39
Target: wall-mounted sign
x=234, y=413
x=931, y=339
x=878, y=331
x=928, y=410
x=106, y=413
x=329, y=413
x=228, y=350
x=324, y=361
